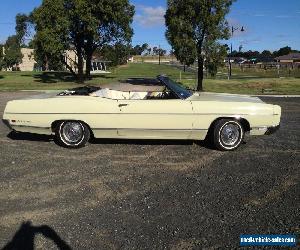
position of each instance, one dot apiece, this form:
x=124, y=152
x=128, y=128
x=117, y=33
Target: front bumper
x=6, y=123
x=272, y=130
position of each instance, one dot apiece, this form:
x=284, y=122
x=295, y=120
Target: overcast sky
x=268, y=24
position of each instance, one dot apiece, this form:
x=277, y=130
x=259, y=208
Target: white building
x=29, y=64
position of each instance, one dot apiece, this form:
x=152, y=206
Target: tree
x=283, y=51
x=139, y=49
x=216, y=54
x=117, y=54
x=80, y=25
x=162, y=52
x=266, y=54
x=241, y=48
x=149, y=51
x=1, y=56
x=145, y=47
x=186, y=54
x=136, y=50
x=22, y=22
x=12, y=52
x=155, y=50
x=95, y=23
x=193, y=23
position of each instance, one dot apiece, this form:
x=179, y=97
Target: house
x=290, y=58
x=71, y=59
x=29, y=64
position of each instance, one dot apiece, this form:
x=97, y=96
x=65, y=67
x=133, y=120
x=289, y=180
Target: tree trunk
x=200, y=73
x=80, y=76
x=88, y=66
x=46, y=64
x=89, y=50
x=68, y=67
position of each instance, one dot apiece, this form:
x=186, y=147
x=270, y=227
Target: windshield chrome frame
x=165, y=81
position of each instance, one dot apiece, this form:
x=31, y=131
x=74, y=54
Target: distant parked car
x=172, y=113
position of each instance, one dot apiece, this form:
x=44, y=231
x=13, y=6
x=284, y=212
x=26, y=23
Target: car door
x=155, y=119
x=103, y=117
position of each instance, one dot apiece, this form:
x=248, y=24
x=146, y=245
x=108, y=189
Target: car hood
x=222, y=97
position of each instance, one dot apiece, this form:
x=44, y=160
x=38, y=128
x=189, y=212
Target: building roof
x=236, y=58
x=291, y=56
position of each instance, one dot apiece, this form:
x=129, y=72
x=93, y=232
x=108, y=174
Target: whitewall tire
x=228, y=134
x=72, y=134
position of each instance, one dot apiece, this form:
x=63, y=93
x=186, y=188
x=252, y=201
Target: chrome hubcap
x=230, y=134
x=73, y=132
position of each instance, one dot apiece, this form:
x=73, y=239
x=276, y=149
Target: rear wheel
x=72, y=134
x=228, y=134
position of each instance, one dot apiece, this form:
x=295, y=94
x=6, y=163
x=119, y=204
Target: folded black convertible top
x=86, y=90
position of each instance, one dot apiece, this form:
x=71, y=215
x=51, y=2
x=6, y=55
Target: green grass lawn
x=248, y=81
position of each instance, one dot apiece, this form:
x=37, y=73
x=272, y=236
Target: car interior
x=118, y=94
x=133, y=95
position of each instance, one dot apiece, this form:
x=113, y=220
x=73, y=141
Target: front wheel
x=228, y=134
x=72, y=134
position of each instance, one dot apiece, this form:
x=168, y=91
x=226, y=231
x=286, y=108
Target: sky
x=268, y=24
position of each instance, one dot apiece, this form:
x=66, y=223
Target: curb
x=278, y=96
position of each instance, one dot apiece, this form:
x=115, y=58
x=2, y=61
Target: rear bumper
x=6, y=123
x=272, y=130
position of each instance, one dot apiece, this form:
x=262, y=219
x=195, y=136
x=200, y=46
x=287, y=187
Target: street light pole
x=229, y=59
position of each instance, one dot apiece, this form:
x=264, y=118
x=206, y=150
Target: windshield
x=179, y=90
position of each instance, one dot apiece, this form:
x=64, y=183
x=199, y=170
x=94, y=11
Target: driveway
x=116, y=194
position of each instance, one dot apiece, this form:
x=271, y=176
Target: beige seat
x=119, y=95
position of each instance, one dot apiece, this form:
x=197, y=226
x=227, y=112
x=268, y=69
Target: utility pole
x=229, y=58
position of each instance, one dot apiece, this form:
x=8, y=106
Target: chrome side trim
x=149, y=129
x=219, y=114
x=26, y=126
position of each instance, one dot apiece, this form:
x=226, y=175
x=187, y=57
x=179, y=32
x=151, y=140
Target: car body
x=174, y=113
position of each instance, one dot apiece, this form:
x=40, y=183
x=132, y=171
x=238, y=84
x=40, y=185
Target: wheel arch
x=244, y=122
x=57, y=122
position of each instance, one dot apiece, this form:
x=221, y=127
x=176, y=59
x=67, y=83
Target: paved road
x=145, y=195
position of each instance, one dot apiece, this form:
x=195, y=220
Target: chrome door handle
x=123, y=105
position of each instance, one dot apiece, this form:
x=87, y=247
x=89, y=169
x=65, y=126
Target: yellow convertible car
x=173, y=112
